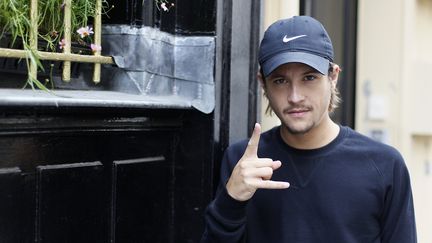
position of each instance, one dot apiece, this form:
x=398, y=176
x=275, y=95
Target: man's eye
x=309, y=78
x=279, y=81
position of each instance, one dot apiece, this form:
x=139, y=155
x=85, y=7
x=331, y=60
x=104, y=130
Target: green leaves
x=15, y=21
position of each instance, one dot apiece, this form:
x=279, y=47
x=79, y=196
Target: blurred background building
x=386, y=91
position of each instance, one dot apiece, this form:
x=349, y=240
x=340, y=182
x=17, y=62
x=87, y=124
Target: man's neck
x=317, y=137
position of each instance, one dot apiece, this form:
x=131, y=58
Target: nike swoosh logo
x=286, y=39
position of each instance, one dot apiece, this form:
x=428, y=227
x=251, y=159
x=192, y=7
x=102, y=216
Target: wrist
x=230, y=208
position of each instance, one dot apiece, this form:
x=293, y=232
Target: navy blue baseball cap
x=300, y=39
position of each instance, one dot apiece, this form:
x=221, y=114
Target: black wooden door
x=124, y=175
x=103, y=176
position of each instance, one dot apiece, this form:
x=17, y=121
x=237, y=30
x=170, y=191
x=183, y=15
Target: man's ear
x=334, y=74
x=261, y=79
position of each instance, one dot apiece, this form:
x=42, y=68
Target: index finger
x=252, y=147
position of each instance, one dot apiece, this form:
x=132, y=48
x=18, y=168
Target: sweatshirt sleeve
x=398, y=221
x=225, y=217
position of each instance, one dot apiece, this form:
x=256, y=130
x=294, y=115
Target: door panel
x=11, y=188
x=142, y=189
x=71, y=203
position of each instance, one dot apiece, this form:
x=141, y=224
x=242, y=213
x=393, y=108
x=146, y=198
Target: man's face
x=299, y=95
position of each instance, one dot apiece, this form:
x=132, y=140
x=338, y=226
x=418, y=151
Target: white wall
x=393, y=89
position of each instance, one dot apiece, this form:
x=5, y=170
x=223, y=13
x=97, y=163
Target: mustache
x=297, y=108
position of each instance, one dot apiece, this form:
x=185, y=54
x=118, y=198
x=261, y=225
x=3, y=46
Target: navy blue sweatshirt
x=352, y=190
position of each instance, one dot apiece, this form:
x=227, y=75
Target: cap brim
x=321, y=64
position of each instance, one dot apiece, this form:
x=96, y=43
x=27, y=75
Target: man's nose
x=295, y=95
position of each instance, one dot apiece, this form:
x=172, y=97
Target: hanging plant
x=15, y=24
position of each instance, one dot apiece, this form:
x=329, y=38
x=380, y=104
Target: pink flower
x=85, y=31
x=62, y=43
x=95, y=47
x=164, y=7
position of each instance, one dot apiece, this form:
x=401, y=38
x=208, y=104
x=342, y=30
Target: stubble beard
x=298, y=131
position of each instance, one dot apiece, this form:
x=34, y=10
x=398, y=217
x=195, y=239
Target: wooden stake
x=97, y=39
x=68, y=38
x=54, y=56
x=33, y=37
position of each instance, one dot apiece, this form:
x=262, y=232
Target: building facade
x=389, y=74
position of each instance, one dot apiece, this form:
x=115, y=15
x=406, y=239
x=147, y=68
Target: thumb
x=252, y=147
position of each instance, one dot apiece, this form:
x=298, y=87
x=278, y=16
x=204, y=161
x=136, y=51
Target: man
x=308, y=180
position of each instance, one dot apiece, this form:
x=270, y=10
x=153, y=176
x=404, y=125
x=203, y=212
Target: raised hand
x=251, y=172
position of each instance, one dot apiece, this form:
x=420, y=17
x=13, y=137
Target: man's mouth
x=297, y=112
